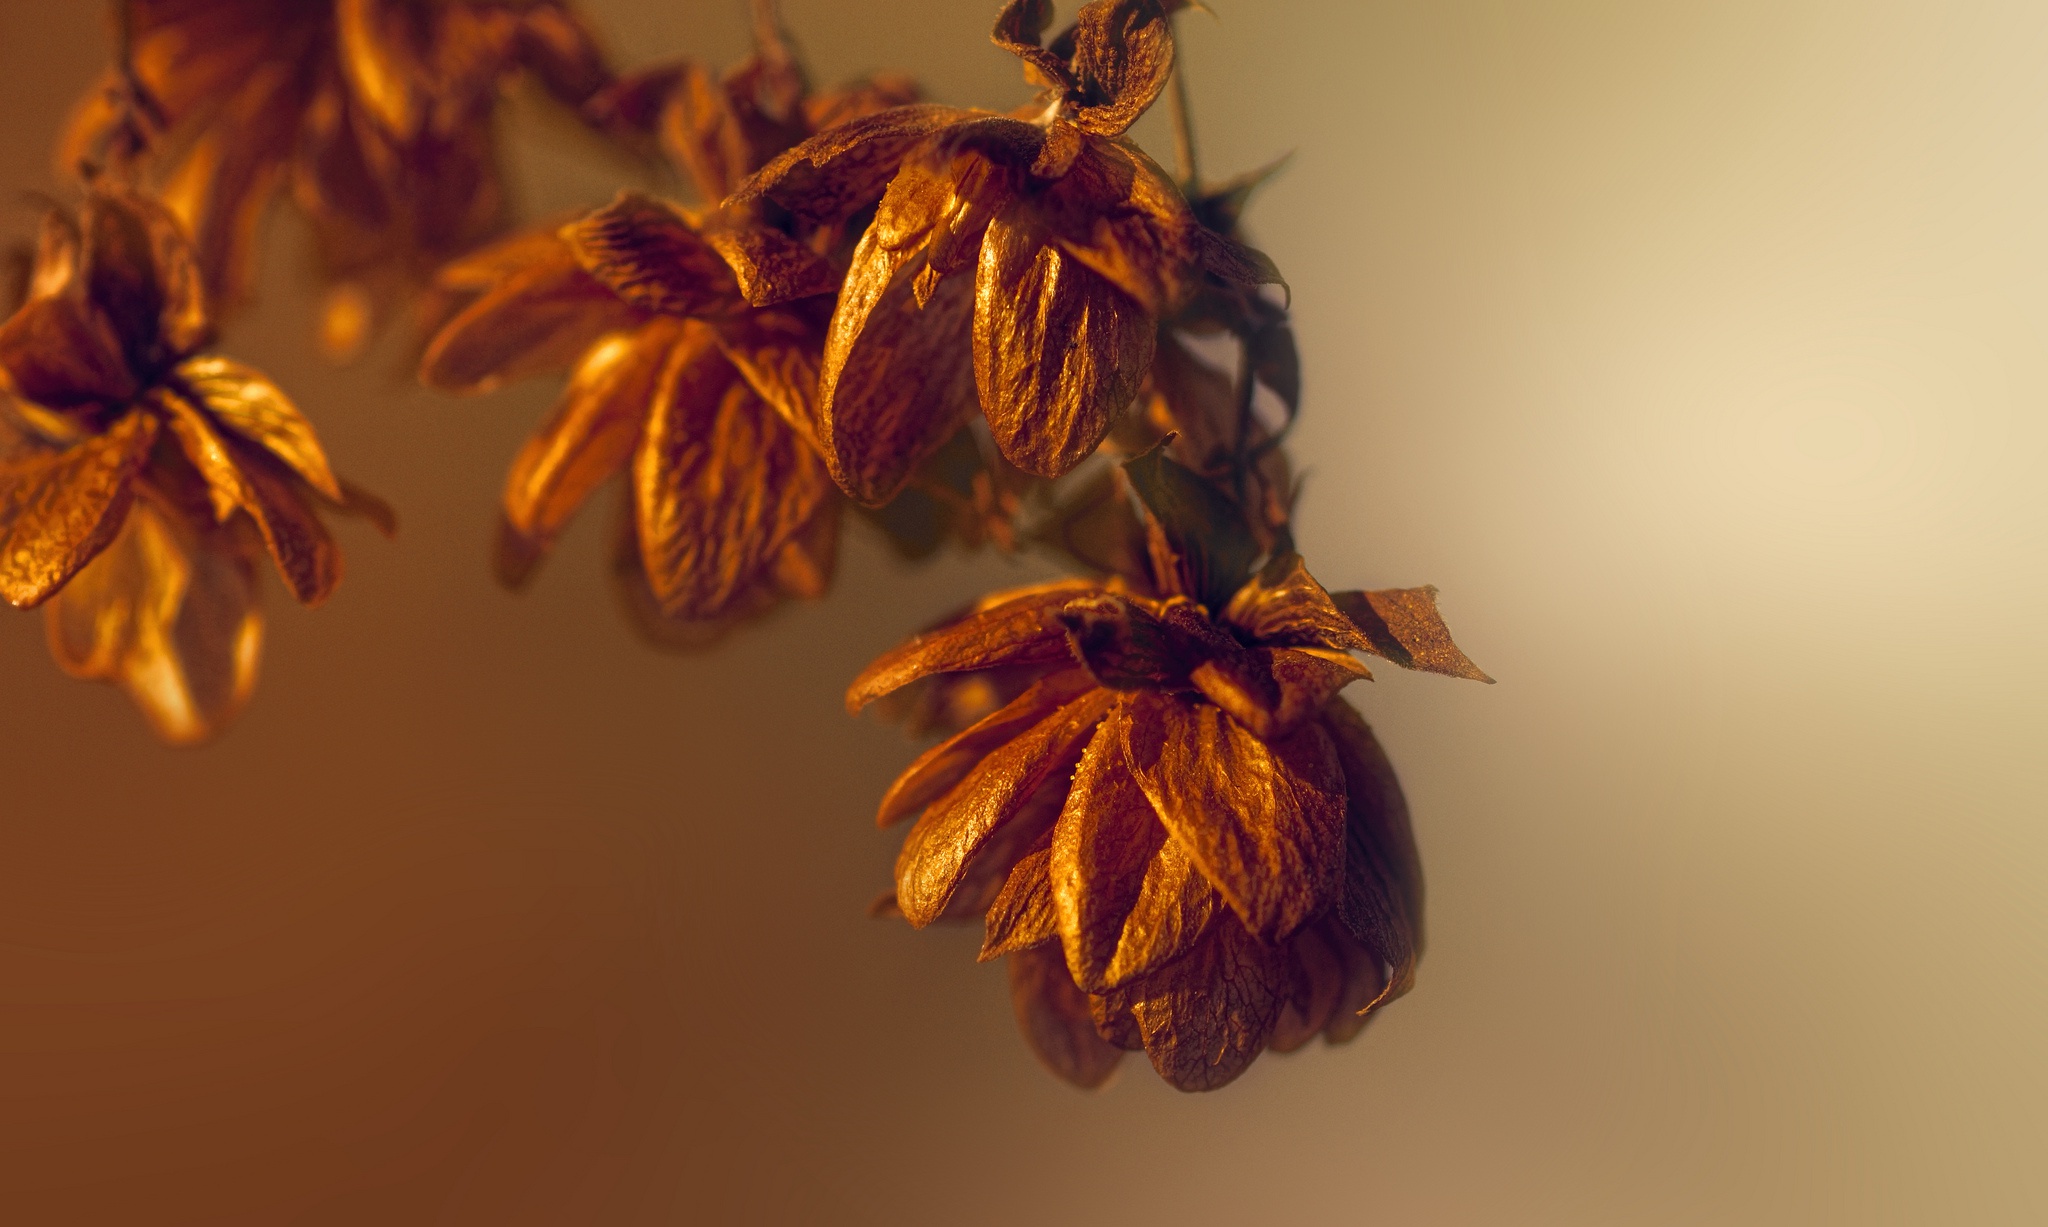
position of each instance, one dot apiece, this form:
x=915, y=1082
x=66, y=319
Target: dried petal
x=171, y=617
x=57, y=352
x=1207, y=1016
x=1293, y=685
x=299, y=544
x=1059, y=352
x=646, y=252
x=138, y=271
x=940, y=768
x=1403, y=625
x=1123, y=55
x=1124, y=644
x=1319, y=982
x=246, y=402
x=778, y=353
x=721, y=485
x=1055, y=1019
x=539, y=320
x=1365, y=984
x=1020, y=30
x=936, y=854
x=1012, y=629
x=1381, y=900
x=770, y=266
x=59, y=509
x=897, y=376
x=1264, y=823
x=843, y=170
x=1284, y=607
x=588, y=439
x=1022, y=916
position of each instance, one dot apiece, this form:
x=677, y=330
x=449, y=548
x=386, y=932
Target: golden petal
x=58, y=352
x=1056, y=1021
x=722, y=485
x=1021, y=628
x=1020, y=30
x=940, y=768
x=1059, y=352
x=59, y=509
x=770, y=266
x=645, y=251
x=1022, y=916
x=589, y=438
x=1380, y=903
x=1116, y=211
x=843, y=170
x=1124, y=644
x=1208, y=1015
x=1403, y=625
x=1296, y=683
x=1123, y=56
x=1284, y=607
x=170, y=614
x=306, y=556
x=643, y=611
x=1106, y=835
x=245, y=401
x=779, y=354
x=897, y=376
x=539, y=320
x=1264, y=823
x=936, y=855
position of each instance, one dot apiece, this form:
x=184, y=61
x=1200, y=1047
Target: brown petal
x=1364, y=986
x=139, y=271
x=246, y=402
x=1208, y=1015
x=1320, y=977
x=1059, y=352
x=898, y=372
x=58, y=353
x=1021, y=627
x=540, y=320
x=1284, y=607
x=721, y=485
x=643, y=612
x=778, y=353
x=1113, y=1022
x=1022, y=916
x=1264, y=823
x=1124, y=55
x=1055, y=1019
x=1295, y=685
x=1118, y=212
x=1020, y=30
x=645, y=251
x=940, y=768
x=587, y=440
x=1124, y=644
x=169, y=615
x=843, y=170
x=59, y=509
x=770, y=266
x=305, y=554
x=936, y=854
x=1403, y=625
x=1381, y=900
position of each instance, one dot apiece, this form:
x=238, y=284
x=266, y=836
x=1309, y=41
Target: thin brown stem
x=1183, y=124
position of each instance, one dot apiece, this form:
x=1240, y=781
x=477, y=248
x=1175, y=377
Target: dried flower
x=1077, y=242
x=143, y=476
x=375, y=113
x=1212, y=838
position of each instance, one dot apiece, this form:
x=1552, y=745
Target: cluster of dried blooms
x=997, y=329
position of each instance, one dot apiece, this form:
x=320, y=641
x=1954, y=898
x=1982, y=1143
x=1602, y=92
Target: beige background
x=1694, y=349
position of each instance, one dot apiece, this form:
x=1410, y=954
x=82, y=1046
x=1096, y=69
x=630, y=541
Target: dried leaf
x=770, y=266
x=246, y=402
x=1264, y=823
x=940, y=768
x=778, y=353
x=1124, y=644
x=139, y=272
x=897, y=377
x=1020, y=30
x=588, y=439
x=1284, y=607
x=1055, y=1019
x=58, y=352
x=646, y=252
x=299, y=544
x=842, y=170
x=1013, y=629
x=1293, y=686
x=721, y=485
x=542, y=319
x=59, y=509
x=936, y=854
x=1124, y=56
x=1380, y=903
x=1214, y=545
x=1059, y=352
x=1403, y=625
x=1207, y=1016
x=171, y=617
x=1319, y=981
x=1022, y=916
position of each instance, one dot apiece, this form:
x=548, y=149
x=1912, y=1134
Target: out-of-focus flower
x=694, y=339
x=375, y=114
x=1077, y=242
x=1179, y=834
x=142, y=477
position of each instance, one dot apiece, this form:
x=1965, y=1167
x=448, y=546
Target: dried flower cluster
x=999, y=329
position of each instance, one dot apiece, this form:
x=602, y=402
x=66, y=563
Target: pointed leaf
x=1403, y=625
x=60, y=509
x=1205, y=527
x=1284, y=607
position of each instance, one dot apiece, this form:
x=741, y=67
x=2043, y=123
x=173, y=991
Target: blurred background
x=1696, y=351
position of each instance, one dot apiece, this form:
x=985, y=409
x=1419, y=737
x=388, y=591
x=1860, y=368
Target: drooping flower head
x=1179, y=834
x=142, y=476
x=694, y=338
x=374, y=114
x=1015, y=261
